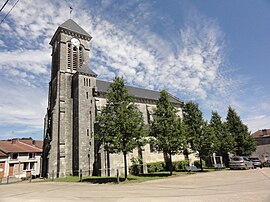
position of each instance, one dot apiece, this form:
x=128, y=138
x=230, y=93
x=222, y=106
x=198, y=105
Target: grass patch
x=113, y=180
x=130, y=179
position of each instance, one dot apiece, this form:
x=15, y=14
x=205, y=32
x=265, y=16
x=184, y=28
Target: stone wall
x=147, y=154
x=262, y=149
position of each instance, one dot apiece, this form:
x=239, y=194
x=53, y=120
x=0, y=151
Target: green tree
x=201, y=136
x=226, y=140
x=121, y=127
x=193, y=119
x=205, y=142
x=166, y=128
x=245, y=144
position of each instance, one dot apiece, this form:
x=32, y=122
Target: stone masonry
x=75, y=97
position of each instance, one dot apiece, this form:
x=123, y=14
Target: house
x=262, y=138
x=20, y=158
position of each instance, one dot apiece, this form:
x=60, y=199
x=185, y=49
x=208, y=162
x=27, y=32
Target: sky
x=215, y=53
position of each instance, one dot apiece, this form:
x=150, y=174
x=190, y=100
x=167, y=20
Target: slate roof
x=86, y=70
x=261, y=133
x=11, y=146
x=137, y=92
x=73, y=26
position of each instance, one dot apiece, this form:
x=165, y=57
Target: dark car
x=256, y=162
x=266, y=163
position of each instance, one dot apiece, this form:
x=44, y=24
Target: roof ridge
x=132, y=86
x=138, y=92
x=29, y=145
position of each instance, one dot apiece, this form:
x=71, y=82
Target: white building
x=20, y=158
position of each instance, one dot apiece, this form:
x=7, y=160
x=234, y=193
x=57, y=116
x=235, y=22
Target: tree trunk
x=171, y=168
x=201, y=163
x=167, y=160
x=186, y=154
x=125, y=163
x=226, y=159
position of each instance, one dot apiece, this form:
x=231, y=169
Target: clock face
x=75, y=42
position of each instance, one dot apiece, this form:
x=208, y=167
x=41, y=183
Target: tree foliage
x=201, y=136
x=225, y=139
x=121, y=126
x=244, y=143
x=206, y=143
x=167, y=129
x=193, y=118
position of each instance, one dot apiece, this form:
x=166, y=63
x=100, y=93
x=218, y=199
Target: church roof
x=73, y=26
x=137, y=92
x=86, y=70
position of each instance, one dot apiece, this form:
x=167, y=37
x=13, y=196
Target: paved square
x=250, y=185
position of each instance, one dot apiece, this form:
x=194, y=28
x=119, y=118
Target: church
x=75, y=97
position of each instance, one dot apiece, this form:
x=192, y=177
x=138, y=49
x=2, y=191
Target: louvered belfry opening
x=74, y=57
x=80, y=56
x=69, y=57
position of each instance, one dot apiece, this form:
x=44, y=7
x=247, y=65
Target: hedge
x=161, y=166
x=156, y=167
x=180, y=165
x=198, y=164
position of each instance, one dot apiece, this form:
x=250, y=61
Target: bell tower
x=64, y=121
x=69, y=47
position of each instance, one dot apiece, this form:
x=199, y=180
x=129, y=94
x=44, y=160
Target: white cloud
x=258, y=122
x=194, y=70
x=133, y=50
x=2, y=43
x=144, y=59
x=20, y=104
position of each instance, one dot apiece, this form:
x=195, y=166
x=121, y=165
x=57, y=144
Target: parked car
x=240, y=162
x=256, y=162
x=266, y=163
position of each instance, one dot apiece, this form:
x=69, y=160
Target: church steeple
x=70, y=48
x=71, y=27
x=74, y=27
x=70, y=133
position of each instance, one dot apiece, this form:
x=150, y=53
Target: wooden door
x=28, y=174
x=11, y=168
x=2, y=169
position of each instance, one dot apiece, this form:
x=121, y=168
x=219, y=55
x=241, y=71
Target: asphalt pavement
x=220, y=186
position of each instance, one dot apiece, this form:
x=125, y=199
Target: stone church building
x=75, y=98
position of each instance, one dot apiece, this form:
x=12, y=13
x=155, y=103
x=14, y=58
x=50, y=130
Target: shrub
x=135, y=168
x=198, y=164
x=156, y=167
x=180, y=165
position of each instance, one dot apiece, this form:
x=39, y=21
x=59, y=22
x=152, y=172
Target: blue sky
x=215, y=53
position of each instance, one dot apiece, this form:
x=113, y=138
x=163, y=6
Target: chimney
x=264, y=132
x=14, y=140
